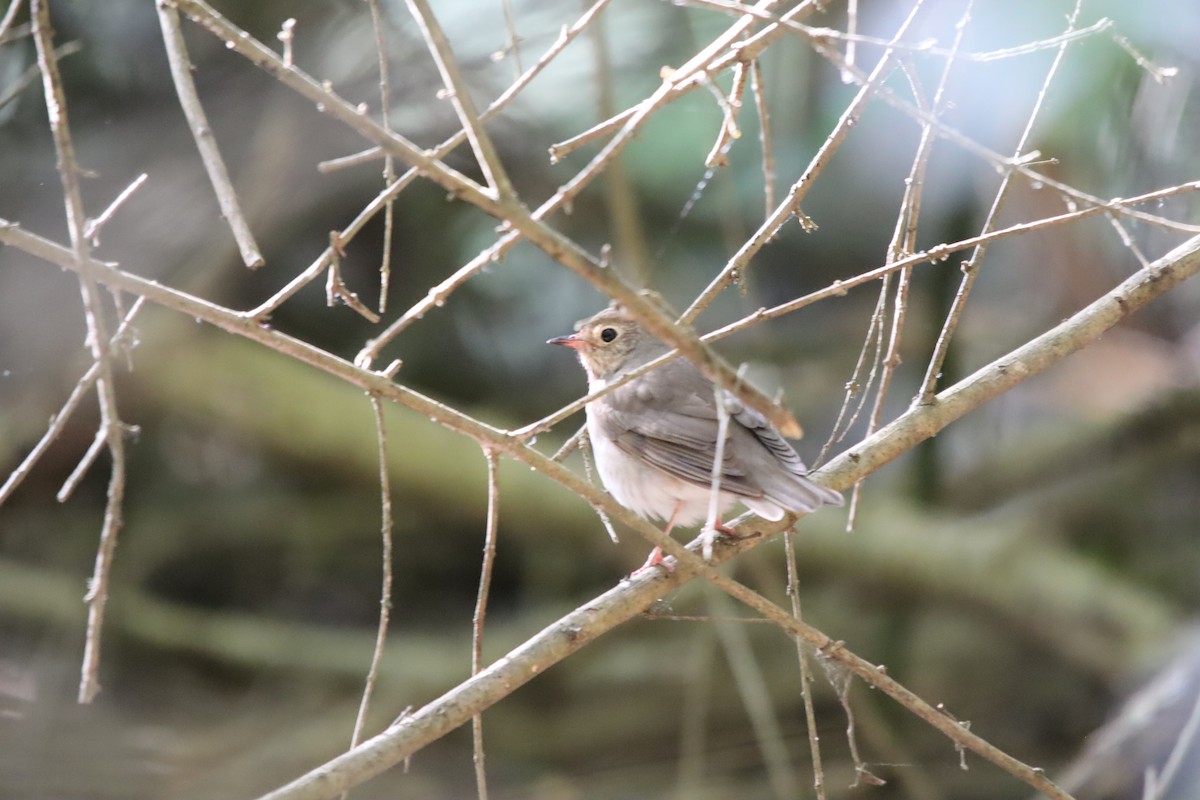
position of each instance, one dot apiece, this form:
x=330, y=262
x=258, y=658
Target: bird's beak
x=573, y=341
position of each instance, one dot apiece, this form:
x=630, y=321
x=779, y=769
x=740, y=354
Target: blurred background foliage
x=1028, y=568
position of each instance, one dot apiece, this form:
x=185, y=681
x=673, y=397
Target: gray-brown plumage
x=655, y=438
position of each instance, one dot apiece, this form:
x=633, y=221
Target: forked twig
x=59, y=421
x=904, y=238
x=734, y=270
x=460, y=97
x=970, y=267
x=110, y=430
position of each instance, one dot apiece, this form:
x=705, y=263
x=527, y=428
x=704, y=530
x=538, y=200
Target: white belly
x=647, y=490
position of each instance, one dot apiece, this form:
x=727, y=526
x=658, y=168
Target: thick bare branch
x=618, y=605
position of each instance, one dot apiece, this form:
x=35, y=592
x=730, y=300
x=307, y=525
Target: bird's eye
x=608, y=334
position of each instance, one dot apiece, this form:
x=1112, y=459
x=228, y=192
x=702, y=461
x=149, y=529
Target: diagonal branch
x=460, y=96
x=970, y=268
x=218, y=175
x=735, y=269
x=630, y=598
x=520, y=221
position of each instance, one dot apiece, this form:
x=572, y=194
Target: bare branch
x=970, y=267
x=218, y=175
x=764, y=134
x=735, y=270
x=481, y=601
x=11, y=14
x=621, y=603
x=810, y=717
x=517, y=217
x=389, y=164
x=110, y=430
x=460, y=97
x=385, y=600
x=59, y=420
x=92, y=231
x=443, y=290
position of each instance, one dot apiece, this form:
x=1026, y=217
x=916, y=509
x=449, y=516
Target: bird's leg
x=709, y=533
x=656, y=555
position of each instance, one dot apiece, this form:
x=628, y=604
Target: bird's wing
x=693, y=397
x=672, y=424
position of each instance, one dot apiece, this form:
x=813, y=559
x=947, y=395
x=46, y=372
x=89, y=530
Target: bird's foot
x=655, y=560
x=709, y=534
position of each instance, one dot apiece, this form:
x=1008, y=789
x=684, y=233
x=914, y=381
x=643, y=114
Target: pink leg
x=656, y=555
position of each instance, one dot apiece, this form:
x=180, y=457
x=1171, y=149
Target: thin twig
x=970, y=267
x=589, y=462
x=438, y=294
x=512, y=43
x=287, y=38
x=560, y=150
x=92, y=230
x=713, y=517
x=718, y=156
x=734, y=270
x=81, y=469
x=110, y=430
x=759, y=89
x=872, y=344
x=620, y=197
x=210, y=154
x=810, y=716
x=336, y=289
x=851, y=31
x=460, y=97
x=389, y=163
x=903, y=244
x=9, y=16
x=1159, y=74
x=385, y=590
x=30, y=76
x=481, y=602
x=352, y=160
x=59, y=421
x=855, y=388
x=1158, y=783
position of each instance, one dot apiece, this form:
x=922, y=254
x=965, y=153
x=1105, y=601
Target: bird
x=654, y=439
